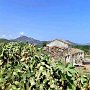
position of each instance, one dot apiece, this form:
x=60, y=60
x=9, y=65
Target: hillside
x=4, y=40
x=27, y=39
x=72, y=43
x=31, y=40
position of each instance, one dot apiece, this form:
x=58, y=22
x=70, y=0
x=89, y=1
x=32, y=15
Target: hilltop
x=30, y=40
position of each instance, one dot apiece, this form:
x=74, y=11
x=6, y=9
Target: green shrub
x=26, y=67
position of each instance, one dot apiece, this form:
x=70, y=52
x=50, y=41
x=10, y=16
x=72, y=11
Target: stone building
x=60, y=49
x=59, y=43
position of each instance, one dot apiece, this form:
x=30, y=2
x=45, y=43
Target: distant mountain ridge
x=72, y=43
x=27, y=39
x=4, y=40
x=30, y=40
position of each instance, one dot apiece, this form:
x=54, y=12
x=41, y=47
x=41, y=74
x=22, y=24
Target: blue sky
x=46, y=19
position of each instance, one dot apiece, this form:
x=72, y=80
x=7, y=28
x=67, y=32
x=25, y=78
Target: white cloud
x=21, y=33
x=3, y=36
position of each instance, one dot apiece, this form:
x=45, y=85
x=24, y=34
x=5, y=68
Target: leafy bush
x=26, y=67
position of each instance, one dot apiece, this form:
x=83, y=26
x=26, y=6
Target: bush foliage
x=27, y=67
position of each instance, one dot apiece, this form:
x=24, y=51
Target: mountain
x=87, y=44
x=72, y=43
x=27, y=39
x=4, y=40
x=31, y=41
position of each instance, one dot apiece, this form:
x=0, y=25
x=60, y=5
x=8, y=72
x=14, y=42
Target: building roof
x=60, y=41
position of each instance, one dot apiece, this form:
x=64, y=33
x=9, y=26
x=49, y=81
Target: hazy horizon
x=46, y=19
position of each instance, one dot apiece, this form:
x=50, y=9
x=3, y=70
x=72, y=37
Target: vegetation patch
x=27, y=67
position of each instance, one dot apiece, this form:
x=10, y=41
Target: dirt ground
x=85, y=69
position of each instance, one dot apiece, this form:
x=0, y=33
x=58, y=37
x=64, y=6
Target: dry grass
x=83, y=70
